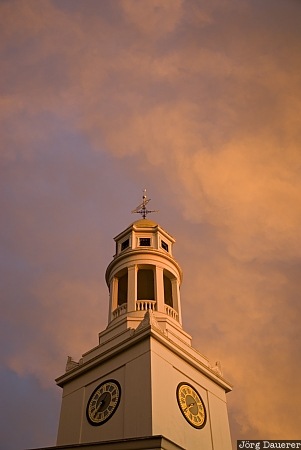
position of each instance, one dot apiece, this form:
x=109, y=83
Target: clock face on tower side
x=191, y=405
x=103, y=402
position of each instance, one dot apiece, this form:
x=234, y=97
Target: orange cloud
x=202, y=102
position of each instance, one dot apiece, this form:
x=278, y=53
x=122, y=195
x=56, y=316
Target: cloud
x=202, y=104
x=153, y=18
x=54, y=314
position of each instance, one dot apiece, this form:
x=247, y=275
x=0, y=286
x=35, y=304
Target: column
x=159, y=289
x=176, y=298
x=132, y=288
x=113, y=297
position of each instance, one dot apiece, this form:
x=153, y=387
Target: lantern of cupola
x=144, y=274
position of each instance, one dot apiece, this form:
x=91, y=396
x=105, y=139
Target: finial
x=141, y=209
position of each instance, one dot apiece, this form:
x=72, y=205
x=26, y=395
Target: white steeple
x=143, y=385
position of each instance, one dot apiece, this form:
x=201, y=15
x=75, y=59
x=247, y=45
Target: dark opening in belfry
x=145, y=284
x=122, y=289
x=167, y=291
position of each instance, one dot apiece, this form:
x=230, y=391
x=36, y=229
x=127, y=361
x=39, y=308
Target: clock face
x=103, y=402
x=191, y=405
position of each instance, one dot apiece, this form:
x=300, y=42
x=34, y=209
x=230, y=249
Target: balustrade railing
x=171, y=312
x=144, y=305
x=120, y=310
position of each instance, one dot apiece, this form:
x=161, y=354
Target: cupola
x=144, y=276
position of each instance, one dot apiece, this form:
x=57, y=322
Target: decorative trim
x=148, y=320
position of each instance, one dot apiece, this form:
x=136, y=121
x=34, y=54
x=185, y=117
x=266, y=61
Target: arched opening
x=167, y=290
x=122, y=295
x=145, y=284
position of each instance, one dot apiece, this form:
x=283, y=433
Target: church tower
x=143, y=386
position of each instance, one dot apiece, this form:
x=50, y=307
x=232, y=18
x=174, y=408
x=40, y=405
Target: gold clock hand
x=189, y=406
x=100, y=405
x=97, y=408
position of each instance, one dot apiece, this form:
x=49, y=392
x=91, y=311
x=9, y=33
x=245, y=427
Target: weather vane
x=142, y=209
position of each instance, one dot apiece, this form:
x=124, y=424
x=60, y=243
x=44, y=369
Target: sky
x=199, y=102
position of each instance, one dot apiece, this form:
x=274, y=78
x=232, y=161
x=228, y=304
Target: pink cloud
x=200, y=102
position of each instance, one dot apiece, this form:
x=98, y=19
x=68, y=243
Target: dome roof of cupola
x=142, y=223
